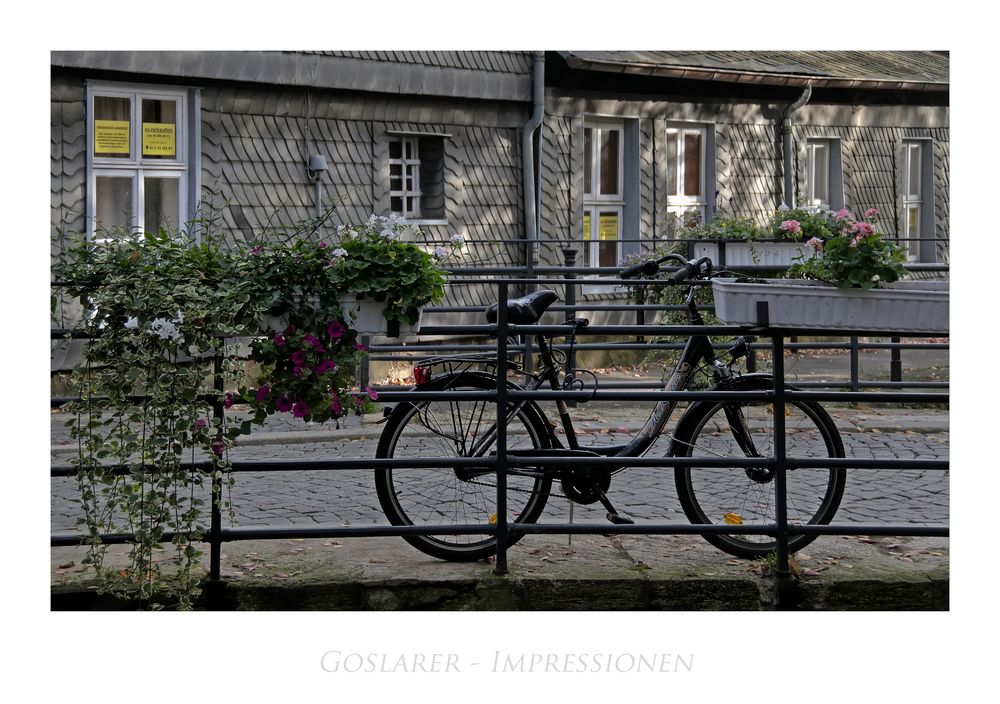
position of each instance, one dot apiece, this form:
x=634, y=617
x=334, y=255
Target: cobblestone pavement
x=348, y=497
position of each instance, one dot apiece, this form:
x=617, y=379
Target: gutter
x=786, y=144
x=532, y=196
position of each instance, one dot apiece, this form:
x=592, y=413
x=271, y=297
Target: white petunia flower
x=339, y=252
x=132, y=324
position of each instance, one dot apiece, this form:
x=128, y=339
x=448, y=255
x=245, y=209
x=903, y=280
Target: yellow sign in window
x=586, y=226
x=159, y=139
x=111, y=136
x=609, y=226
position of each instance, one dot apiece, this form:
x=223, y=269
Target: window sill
x=599, y=289
x=427, y=222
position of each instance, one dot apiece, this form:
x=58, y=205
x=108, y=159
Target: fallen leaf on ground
x=66, y=565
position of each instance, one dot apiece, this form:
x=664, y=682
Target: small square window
x=416, y=176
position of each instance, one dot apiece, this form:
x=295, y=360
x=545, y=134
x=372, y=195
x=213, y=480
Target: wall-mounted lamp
x=316, y=167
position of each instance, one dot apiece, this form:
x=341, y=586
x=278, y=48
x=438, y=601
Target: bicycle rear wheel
x=745, y=496
x=446, y=496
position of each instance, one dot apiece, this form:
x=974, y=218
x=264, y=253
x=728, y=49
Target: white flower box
x=740, y=253
x=904, y=306
x=367, y=318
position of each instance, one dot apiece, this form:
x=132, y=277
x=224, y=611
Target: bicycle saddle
x=526, y=309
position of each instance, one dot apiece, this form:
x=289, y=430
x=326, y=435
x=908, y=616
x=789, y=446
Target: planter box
x=739, y=253
x=905, y=306
x=367, y=318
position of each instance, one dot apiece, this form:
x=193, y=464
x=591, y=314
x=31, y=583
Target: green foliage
x=375, y=261
x=157, y=308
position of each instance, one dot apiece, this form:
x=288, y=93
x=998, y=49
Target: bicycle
x=738, y=495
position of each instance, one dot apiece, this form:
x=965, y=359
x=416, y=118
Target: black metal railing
x=217, y=533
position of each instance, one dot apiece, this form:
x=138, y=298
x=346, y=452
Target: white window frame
x=913, y=157
x=595, y=202
x=414, y=192
x=813, y=199
x=136, y=167
x=679, y=204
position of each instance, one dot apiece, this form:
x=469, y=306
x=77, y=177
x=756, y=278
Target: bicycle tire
x=721, y=495
x=440, y=496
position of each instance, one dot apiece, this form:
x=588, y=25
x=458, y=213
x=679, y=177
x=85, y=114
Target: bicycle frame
x=697, y=350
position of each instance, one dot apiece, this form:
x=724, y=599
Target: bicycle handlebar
x=651, y=267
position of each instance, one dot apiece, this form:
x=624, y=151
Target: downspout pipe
x=786, y=144
x=528, y=174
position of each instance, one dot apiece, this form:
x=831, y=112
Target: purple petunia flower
x=314, y=342
x=300, y=409
x=335, y=404
x=372, y=393
x=325, y=366
x=218, y=445
x=227, y=402
x=283, y=404
x=279, y=340
x=335, y=330
x=298, y=358
x=262, y=393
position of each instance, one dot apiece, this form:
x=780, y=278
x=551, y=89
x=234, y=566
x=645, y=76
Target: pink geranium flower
x=871, y=213
x=792, y=226
x=816, y=244
x=844, y=214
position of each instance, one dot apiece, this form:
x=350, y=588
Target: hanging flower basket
x=904, y=306
x=367, y=317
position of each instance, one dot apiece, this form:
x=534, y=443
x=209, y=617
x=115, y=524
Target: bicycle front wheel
x=745, y=496
x=447, y=496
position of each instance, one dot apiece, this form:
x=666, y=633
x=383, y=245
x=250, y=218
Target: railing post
x=855, y=367
x=214, y=586
x=501, y=455
x=365, y=371
x=569, y=261
x=895, y=361
x=782, y=571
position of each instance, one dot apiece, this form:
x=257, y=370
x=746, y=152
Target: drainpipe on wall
x=532, y=199
x=786, y=144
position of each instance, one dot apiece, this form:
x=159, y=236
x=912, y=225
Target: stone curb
x=598, y=572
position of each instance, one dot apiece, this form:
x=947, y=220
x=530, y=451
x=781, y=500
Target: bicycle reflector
x=422, y=375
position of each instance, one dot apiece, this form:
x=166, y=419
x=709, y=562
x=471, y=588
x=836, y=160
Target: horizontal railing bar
x=447, y=463
x=374, y=531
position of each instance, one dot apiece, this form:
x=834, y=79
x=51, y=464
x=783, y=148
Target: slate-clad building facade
x=630, y=143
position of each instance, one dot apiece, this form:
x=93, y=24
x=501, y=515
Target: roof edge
x=700, y=73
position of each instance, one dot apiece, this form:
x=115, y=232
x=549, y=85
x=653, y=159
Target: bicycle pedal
x=619, y=519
